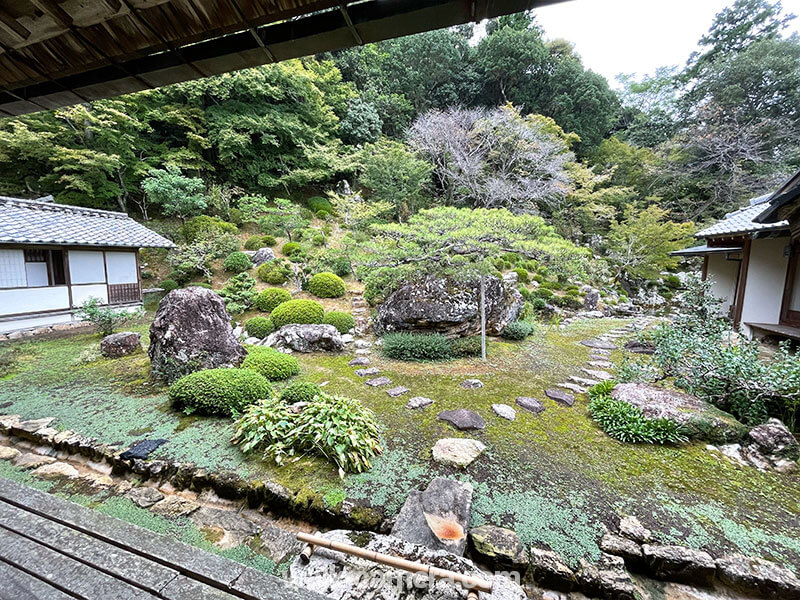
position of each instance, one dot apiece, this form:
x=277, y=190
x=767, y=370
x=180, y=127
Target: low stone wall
x=57, y=330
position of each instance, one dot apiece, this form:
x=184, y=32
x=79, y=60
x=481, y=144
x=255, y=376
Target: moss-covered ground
x=555, y=478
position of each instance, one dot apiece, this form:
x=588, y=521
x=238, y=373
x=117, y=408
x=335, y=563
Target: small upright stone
x=560, y=397
x=471, y=384
x=630, y=527
x=504, y=411
x=8, y=453
x=378, y=381
x=120, y=344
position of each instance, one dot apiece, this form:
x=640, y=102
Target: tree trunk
x=483, y=319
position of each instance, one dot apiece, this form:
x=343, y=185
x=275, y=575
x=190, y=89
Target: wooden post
x=483, y=319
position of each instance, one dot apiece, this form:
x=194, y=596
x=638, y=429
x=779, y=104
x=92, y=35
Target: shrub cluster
x=274, y=272
x=237, y=262
x=466, y=347
x=343, y=321
x=270, y=298
x=259, y=327
x=317, y=204
x=290, y=248
x=239, y=292
x=297, y=311
x=416, y=346
x=626, y=423
x=300, y=391
x=522, y=275
x=274, y=365
x=518, y=330
x=169, y=284
x=340, y=429
x=218, y=391
x=326, y=285
x=205, y=227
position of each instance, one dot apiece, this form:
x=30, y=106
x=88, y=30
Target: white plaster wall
x=31, y=322
x=27, y=300
x=766, y=277
x=81, y=293
x=122, y=267
x=86, y=266
x=722, y=274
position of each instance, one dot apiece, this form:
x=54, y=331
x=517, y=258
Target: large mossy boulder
x=190, y=332
x=701, y=420
x=449, y=307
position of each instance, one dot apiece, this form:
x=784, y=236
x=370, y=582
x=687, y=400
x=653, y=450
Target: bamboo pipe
x=472, y=583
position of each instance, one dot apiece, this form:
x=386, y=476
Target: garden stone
x=601, y=364
x=359, y=362
x=457, y=452
x=530, y=404
x=29, y=460
x=701, y=420
x=638, y=347
x=120, y=344
x=31, y=426
x=262, y=255
x=192, y=331
x=235, y=529
x=144, y=496
x=630, y=527
x=419, y=402
x=560, y=397
x=572, y=387
x=601, y=375
x=678, y=563
x=56, y=470
x=462, y=419
x=368, y=372
x=623, y=547
x=599, y=344
x=774, y=440
x=449, y=307
x=175, y=506
x=608, y=579
x=397, y=391
x=498, y=547
x=591, y=300
x=7, y=453
x=471, y=384
x=378, y=381
x=596, y=356
x=8, y=421
x=549, y=570
x=583, y=380
x=347, y=338
x=361, y=344
x=251, y=341
x=504, y=411
x=363, y=352
x=142, y=449
x=357, y=579
x=758, y=576
x=307, y=338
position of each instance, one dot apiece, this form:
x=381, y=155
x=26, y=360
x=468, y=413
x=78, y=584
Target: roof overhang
x=771, y=214
x=705, y=250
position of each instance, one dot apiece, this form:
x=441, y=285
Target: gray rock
x=774, y=440
x=498, y=547
x=175, y=506
x=504, y=411
x=397, y=391
x=457, y=452
x=363, y=344
x=449, y=307
x=530, y=404
x=591, y=300
x=572, y=387
x=120, y=344
x=471, y=384
x=368, y=372
x=357, y=579
x=560, y=397
x=32, y=426
x=600, y=344
x=638, y=347
x=8, y=453
x=758, y=577
x=549, y=570
x=630, y=527
x=623, y=547
x=378, y=381
x=347, y=338
x=462, y=419
x=262, y=255
x=678, y=563
x=608, y=579
x=235, y=529
x=419, y=402
x=56, y=470
x=144, y=496
x=600, y=375
x=29, y=460
x=192, y=331
x=601, y=364
x=306, y=338
x=583, y=381
x=359, y=362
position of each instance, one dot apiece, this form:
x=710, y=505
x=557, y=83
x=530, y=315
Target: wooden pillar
x=741, y=284
x=704, y=272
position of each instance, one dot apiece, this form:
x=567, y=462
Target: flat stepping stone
x=30, y=460
x=471, y=384
x=457, y=452
x=573, y=387
x=601, y=375
x=363, y=351
x=598, y=356
x=419, y=402
x=601, y=364
x=504, y=411
x=378, y=381
x=359, y=362
x=583, y=380
x=363, y=344
x=560, y=397
x=397, y=391
x=368, y=372
x=144, y=497
x=56, y=470
x=598, y=343
x=530, y=404
x=462, y=419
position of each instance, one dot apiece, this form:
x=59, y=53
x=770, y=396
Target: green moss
x=334, y=497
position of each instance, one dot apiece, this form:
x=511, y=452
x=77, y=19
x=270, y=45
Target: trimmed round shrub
x=300, y=391
x=237, y=262
x=343, y=321
x=268, y=241
x=539, y=304
x=219, y=391
x=273, y=272
x=322, y=215
x=253, y=242
x=318, y=203
x=269, y=298
x=169, y=285
x=180, y=276
x=290, y=248
x=518, y=330
x=466, y=347
x=524, y=292
x=318, y=240
x=326, y=285
x=274, y=365
x=205, y=227
x=259, y=327
x=522, y=275
x=297, y=311
x=416, y=346
x=542, y=293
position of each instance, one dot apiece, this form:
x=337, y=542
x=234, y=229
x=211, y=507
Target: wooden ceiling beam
x=10, y=24
x=54, y=10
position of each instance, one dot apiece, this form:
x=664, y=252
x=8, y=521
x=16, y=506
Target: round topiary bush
x=326, y=285
x=253, y=242
x=169, y=284
x=259, y=327
x=518, y=330
x=539, y=304
x=318, y=203
x=300, y=391
x=416, y=347
x=269, y=298
x=219, y=391
x=522, y=275
x=273, y=272
x=318, y=240
x=270, y=363
x=290, y=248
x=343, y=321
x=237, y=262
x=297, y=311
x=268, y=241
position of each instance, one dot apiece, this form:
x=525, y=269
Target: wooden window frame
x=788, y=316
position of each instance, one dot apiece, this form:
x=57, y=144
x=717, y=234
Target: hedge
x=268, y=299
x=270, y=363
x=273, y=272
x=416, y=347
x=326, y=285
x=219, y=391
x=343, y=321
x=297, y=311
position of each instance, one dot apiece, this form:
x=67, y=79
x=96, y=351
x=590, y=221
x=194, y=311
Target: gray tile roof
x=741, y=221
x=37, y=222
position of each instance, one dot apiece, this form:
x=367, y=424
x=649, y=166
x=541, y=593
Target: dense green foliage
x=269, y=298
x=272, y=364
x=416, y=346
x=237, y=262
x=297, y=311
x=103, y=317
x=518, y=330
x=274, y=272
x=343, y=321
x=259, y=327
x=300, y=391
x=466, y=347
x=326, y=285
x=218, y=391
x=239, y=292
